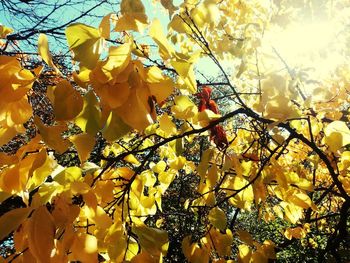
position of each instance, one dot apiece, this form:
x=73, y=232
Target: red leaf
x=213, y=107
x=218, y=135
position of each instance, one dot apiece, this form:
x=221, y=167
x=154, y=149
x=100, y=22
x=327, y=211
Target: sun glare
x=315, y=46
x=303, y=39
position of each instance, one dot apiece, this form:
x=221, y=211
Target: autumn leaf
x=41, y=234
x=133, y=16
x=52, y=135
x=337, y=135
x=11, y=220
x=89, y=119
x=84, y=143
x=166, y=51
x=4, y=31
x=154, y=241
x=67, y=102
x=44, y=52
x=217, y=218
x=85, y=42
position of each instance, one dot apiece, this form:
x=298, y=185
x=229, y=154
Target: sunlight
x=316, y=47
x=301, y=39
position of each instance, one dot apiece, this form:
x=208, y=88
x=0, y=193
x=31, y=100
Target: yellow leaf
x=116, y=65
x=168, y=5
x=44, y=165
x=177, y=163
x=152, y=240
x=130, y=158
x=144, y=257
x=98, y=216
x=133, y=16
x=83, y=78
x=184, y=108
x=105, y=26
x=16, y=81
x=15, y=113
x=221, y=242
x=89, y=119
x=6, y=134
x=132, y=6
x=41, y=234
x=52, y=135
x=246, y=237
x=193, y=252
x=296, y=232
x=104, y=191
x=337, y=135
x=44, y=52
x=166, y=51
x=135, y=22
x=68, y=175
x=138, y=111
x=6, y=159
x=184, y=65
x=204, y=164
x=115, y=127
x=84, y=143
x=301, y=199
x=82, y=188
x=166, y=125
x=165, y=179
x=245, y=197
x=212, y=176
x=85, y=42
x=113, y=95
x=217, y=218
x=4, y=31
x=12, y=181
x=11, y=220
x=160, y=86
x=178, y=24
x=67, y=102
x=159, y=167
x=205, y=14
x=292, y=212
x=244, y=253
x=84, y=248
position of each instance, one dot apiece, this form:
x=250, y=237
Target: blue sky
x=66, y=14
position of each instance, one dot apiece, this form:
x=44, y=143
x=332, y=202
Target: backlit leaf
x=166, y=51
x=217, y=218
x=337, y=135
x=4, y=31
x=67, y=102
x=41, y=234
x=153, y=240
x=133, y=16
x=85, y=42
x=52, y=135
x=89, y=119
x=44, y=51
x=115, y=127
x=84, y=143
x=166, y=125
x=11, y=220
x=160, y=86
x=84, y=248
